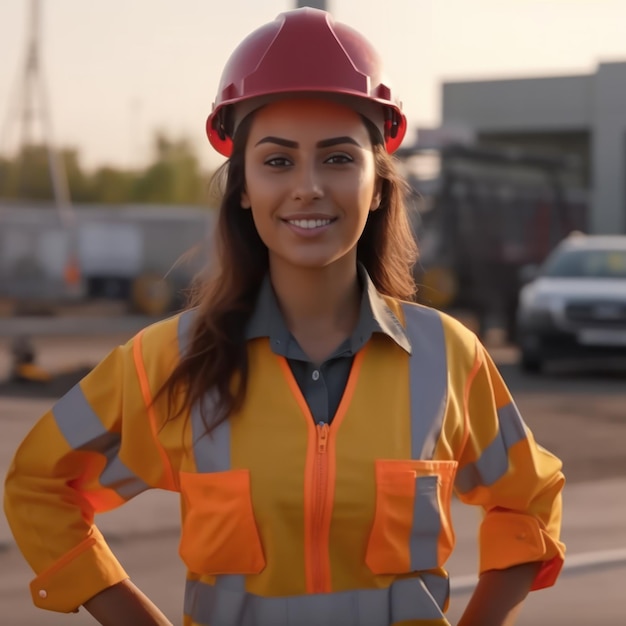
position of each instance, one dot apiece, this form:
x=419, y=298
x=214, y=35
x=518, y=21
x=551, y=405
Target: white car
x=576, y=305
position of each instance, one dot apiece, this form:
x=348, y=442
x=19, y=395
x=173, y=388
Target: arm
x=498, y=597
x=93, y=451
x=124, y=604
x=518, y=485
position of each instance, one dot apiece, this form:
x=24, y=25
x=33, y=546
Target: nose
x=307, y=184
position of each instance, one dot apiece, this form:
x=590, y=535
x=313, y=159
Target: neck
x=318, y=302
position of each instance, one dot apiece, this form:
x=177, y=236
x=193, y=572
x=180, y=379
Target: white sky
x=117, y=70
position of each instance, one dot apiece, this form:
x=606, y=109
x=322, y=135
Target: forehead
x=312, y=117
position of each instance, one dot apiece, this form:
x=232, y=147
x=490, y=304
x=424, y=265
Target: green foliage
x=111, y=186
x=173, y=176
x=27, y=175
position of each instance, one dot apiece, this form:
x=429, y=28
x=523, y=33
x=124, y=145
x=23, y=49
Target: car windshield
x=587, y=264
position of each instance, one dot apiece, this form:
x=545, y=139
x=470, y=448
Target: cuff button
x=43, y=593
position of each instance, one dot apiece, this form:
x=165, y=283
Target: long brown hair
x=216, y=356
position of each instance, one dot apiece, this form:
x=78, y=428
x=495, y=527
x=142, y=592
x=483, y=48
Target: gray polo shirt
x=323, y=386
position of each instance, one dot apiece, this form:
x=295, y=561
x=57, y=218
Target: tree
x=109, y=185
x=28, y=174
x=173, y=177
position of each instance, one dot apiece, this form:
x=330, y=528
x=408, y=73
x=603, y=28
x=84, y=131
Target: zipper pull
x=322, y=437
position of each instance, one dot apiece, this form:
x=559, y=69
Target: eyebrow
x=324, y=143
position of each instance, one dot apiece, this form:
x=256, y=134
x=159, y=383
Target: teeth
x=309, y=223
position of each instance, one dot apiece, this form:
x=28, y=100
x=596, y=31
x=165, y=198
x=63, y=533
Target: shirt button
x=43, y=593
x=315, y=375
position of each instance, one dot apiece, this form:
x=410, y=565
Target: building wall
x=608, y=149
x=591, y=105
x=527, y=104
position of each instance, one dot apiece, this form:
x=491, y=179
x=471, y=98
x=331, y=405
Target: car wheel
x=531, y=363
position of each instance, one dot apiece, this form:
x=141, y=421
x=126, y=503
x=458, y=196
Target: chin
x=312, y=259
x=309, y=263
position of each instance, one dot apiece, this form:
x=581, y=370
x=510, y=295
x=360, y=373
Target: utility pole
x=34, y=100
x=315, y=4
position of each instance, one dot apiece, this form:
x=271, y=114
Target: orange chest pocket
x=219, y=534
x=412, y=529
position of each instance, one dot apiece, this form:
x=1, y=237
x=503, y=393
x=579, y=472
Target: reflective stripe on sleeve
x=83, y=430
x=493, y=463
x=227, y=603
x=79, y=423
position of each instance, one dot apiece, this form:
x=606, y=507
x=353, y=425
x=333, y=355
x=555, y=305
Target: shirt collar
x=375, y=316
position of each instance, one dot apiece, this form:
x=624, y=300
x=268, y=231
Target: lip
x=308, y=216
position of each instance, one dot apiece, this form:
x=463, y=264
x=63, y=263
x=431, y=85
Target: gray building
x=583, y=116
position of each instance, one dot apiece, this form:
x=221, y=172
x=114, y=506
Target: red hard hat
x=303, y=51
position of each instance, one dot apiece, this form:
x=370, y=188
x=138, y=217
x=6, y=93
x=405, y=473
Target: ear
x=377, y=195
x=245, y=200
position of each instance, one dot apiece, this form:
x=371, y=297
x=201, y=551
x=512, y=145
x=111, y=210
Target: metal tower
x=32, y=107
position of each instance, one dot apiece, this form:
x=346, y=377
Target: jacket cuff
x=508, y=538
x=77, y=576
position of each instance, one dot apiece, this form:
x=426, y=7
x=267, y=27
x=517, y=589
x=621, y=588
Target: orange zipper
x=319, y=482
x=320, y=489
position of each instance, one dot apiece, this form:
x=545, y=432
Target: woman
x=315, y=423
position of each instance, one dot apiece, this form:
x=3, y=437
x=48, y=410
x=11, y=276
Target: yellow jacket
x=285, y=520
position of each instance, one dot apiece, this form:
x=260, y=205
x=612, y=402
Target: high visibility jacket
x=286, y=522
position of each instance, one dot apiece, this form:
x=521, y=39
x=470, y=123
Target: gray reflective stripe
x=405, y=600
x=411, y=599
x=426, y=524
x=83, y=430
x=184, y=329
x=211, y=451
x=428, y=378
x=493, y=463
x=118, y=477
x=438, y=587
x=79, y=423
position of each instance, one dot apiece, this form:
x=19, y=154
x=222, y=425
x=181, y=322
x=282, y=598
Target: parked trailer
x=34, y=254
x=133, y=253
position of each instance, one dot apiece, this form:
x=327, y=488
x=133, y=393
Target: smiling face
x=310, y=181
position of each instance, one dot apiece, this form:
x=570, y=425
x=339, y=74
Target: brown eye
x=278, y=162
x=339, y=159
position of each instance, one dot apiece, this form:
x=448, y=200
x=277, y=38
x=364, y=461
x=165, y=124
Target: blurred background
x=516, y=155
